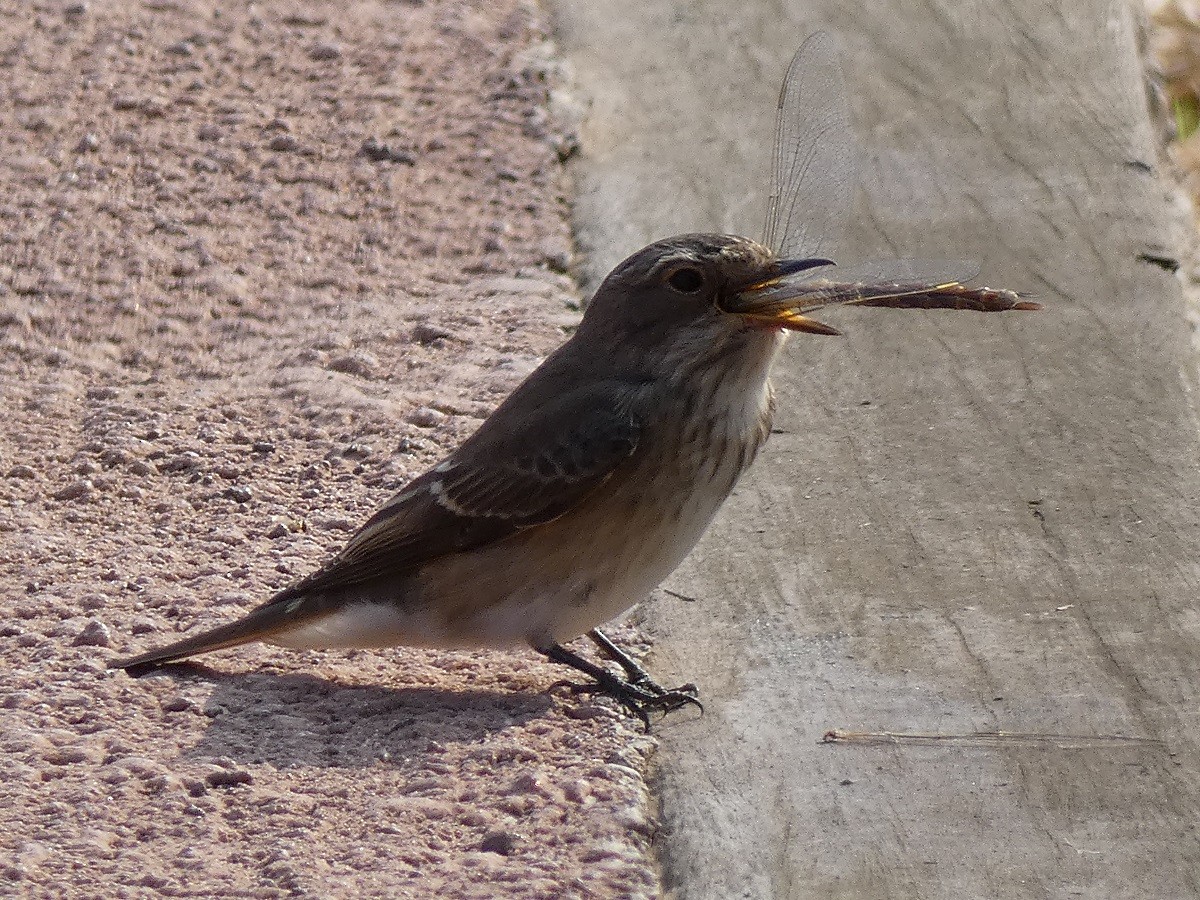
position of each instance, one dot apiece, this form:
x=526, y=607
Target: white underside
x=367, y=625
x=521, y=620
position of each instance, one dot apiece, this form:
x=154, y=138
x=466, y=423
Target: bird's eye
x=686, y=279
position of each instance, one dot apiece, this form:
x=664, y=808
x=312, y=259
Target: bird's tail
x=281, y=614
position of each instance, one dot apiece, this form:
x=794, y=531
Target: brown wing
x=524, y=467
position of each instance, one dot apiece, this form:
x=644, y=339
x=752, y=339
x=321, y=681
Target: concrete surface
x=966, y=524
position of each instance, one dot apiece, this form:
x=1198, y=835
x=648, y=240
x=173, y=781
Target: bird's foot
x=639, y=700
x=639, y=694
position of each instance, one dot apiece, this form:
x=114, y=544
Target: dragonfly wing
x=815, y=160
x=906, y=271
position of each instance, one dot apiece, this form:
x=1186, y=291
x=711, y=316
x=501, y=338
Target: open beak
x=767, y=302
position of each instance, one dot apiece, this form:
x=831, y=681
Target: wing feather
x=523, y=468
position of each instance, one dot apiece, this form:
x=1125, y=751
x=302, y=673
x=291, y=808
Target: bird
x=588, y=485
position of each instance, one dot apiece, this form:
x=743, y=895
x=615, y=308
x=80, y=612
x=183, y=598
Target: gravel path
x=259, y=266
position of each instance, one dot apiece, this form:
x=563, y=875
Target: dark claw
x=639, y=694
x=638, y=700
x=641, y=702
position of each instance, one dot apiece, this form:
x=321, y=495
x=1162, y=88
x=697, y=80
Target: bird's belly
x=553, y=582
x=557, y=581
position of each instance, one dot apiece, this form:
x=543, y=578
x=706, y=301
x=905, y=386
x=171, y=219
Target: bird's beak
x=766, y=302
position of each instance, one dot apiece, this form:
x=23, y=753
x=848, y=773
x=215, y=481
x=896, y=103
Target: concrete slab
x=965, y=524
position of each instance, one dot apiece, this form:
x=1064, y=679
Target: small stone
x=154, y=107
x=181, y=48
x=21, y=471
x=184, y=462
x=262, y=447
x=377, y=151
x=425, y=417
x=283, y=143
x=183, y=267
x=424, y=333
x=564, y=145
x=316, y=471
x=94, y=634
x=140, y=766
x=577, y=791
x=360, y=363
x=195, y=787
x=205, y=166
x=279, y=530
x=501, y=842
x=143, y=625
x=210, y=132
x=586, y=711
x=74, y=491
x=66, y=756
x=228, y=777
x=113, y=776
x=322, y=52
x=238, y=494
x=555, y=259
x=89, y=143
x=525, y=784
x=304, y=20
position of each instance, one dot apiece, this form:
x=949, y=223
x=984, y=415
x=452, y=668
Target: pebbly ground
x=260, y=264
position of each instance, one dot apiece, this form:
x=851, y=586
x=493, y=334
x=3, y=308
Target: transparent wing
x=814, y=175
x=904, y=271
x=815, y=159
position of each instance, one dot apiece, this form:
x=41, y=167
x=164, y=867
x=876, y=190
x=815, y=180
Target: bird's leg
x=633, y=671
x=638, y=699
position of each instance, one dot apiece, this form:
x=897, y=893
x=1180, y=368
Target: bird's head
x=708, y=283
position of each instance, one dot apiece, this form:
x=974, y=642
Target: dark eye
x=686, y=279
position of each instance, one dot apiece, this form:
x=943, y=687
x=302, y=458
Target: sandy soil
x=259, y=264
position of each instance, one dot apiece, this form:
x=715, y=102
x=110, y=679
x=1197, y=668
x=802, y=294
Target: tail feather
x=279, y=615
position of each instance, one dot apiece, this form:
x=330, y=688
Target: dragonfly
x=814, y=169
